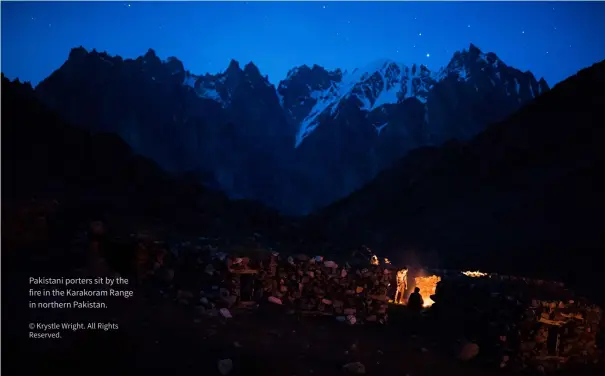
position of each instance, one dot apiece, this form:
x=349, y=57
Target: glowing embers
x=475, y=274
x=427, y=286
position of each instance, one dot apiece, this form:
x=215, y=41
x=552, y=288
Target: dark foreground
x=162, y=336
x=264, y=341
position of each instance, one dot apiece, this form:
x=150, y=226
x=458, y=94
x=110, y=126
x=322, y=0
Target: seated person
x=415, y=300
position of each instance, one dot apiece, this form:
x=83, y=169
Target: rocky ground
x=165, y=337
x=160, y=333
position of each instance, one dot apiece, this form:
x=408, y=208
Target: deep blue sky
x=553, y=40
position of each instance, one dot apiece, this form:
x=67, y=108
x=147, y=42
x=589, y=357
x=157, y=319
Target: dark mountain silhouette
x=96, y=176
x=315, y=138
x=525, y=195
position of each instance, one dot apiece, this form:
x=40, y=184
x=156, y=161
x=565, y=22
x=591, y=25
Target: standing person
x=402, y=285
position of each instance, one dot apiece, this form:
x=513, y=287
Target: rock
x=225, y=313
x=468, y=351
x=229, y=300
x=225, y=366
x=200, y=310
x=274, y=300
x=355, y=368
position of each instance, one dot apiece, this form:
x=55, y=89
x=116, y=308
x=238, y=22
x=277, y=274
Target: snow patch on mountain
x=380, y=127
x=380, y=83
x=308, y=95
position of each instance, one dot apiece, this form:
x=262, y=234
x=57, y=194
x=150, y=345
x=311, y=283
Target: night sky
x=553, y=40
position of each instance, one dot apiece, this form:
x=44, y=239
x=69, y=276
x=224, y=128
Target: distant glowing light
x=419, y=34
x=474, y=274
x=428, y=55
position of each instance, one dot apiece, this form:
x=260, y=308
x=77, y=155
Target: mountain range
x=315, y=138
x=522, y=197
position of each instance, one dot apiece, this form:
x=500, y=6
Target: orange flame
x=427, y=286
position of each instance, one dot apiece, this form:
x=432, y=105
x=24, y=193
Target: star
x=468, y=25
x=324, y=7
x=414, y=46
x=547, y=52
x=396, y=51
x=49, y=25
x=128, y=5
x=419, y=34
x=523, y=32
x=428, y=55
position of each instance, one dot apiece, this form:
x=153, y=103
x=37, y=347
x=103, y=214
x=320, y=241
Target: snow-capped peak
x=380, y=83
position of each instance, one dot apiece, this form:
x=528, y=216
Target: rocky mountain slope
x=315, y=138
x=525, y=194
x=97, y=176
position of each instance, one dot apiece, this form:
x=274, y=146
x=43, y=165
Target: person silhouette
x=415, y=300
x=402, y=285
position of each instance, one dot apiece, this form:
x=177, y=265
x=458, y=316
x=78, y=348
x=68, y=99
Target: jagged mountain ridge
x=522, y=195
x=245, y=136
x=308, y=93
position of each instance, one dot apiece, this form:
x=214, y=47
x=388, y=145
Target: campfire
x=374, y=260
x=427, y=286
x=474, y=274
